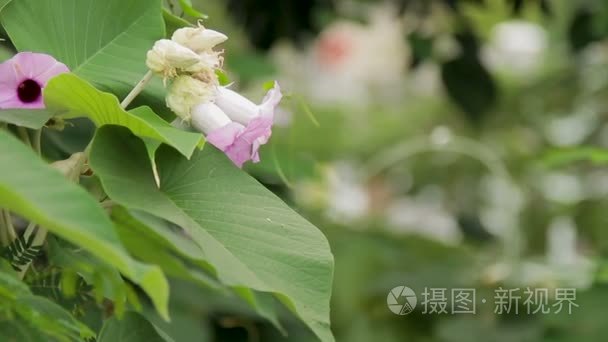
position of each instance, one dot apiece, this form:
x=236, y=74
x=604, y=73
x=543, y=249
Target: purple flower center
x=29, y=91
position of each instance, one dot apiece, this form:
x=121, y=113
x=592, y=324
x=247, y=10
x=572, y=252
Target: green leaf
x=73, y=97
x=564, y=156
x=105, y=280
x=250, y=238
x=10, y=285
x=105, y=42
x=34, y=190
x=30, y=118
x=173, y=22
x=34, y=318
x=21, y=251
x=133, y=327
x=3, y=3
x=186, y=6
x=155, y=241
x=55, y=313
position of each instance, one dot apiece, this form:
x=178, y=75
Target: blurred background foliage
x=437, y=143
x=445, y=143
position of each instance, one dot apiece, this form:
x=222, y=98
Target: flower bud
x=167, y=56
x=198, y=39
x=204, y=69
x=185, y=93
x=207, y=117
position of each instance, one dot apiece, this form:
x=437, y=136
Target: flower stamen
x=29, y=91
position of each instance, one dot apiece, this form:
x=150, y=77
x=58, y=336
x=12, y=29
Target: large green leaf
x=73, y=97
x=30, y=118
x=155, y=241
x=3, y=3
x=249, y=237
x=33, y=318
x=133, y=327
x=103, y=41
x=36, y=191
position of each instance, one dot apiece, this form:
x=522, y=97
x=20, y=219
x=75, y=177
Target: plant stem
x=138, y=89
x=7, y=223
x=3, y=234
x=36, y=141
x=24, y=135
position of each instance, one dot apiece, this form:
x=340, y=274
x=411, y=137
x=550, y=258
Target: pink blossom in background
x=23, y=78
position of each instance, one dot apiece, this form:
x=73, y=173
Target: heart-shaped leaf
x=105, y=42
x=34, y=190
x=250, y=238
x=73, y=97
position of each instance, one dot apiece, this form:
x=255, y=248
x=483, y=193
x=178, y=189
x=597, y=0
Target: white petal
x=207, y=117
x=198, y=39
x=185, y=93
x=236, y=106
x=167, y=55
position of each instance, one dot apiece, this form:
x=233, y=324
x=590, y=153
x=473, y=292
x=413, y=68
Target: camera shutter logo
x=401, y=300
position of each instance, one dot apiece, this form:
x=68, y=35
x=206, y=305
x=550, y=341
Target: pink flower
x=240, y=143
x=241, y=109
x=23, y=77
x=252, y=126
x=258, y=119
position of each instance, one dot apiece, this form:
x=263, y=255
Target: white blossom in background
x=594, y=66
x=424, y=218
x=569, y=265
x=351, y=63
x=562, y=187
x=573, y=129
x=596, y=184
x=347, y=197
x=425, y=80
x=516, y=47
x=503, y=202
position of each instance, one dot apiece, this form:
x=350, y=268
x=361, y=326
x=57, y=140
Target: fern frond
x=21, y=252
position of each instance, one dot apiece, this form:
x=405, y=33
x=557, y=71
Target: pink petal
x=38, y=66
x=241, y=144
x=26, y=65
x=239, y=152
x=15, y=102
x=224, y=137
x=9, y=81
x=257, y=133
x=271, y=100
x=258, y=129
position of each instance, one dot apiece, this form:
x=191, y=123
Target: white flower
x=240, y=143
x=204, y=69
x=198, y=39
x=241, y=109
x=166, y=57
x=207, y=117
x=187, y=92
x=348, y=198
x=516, y=46
x=238, y=107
